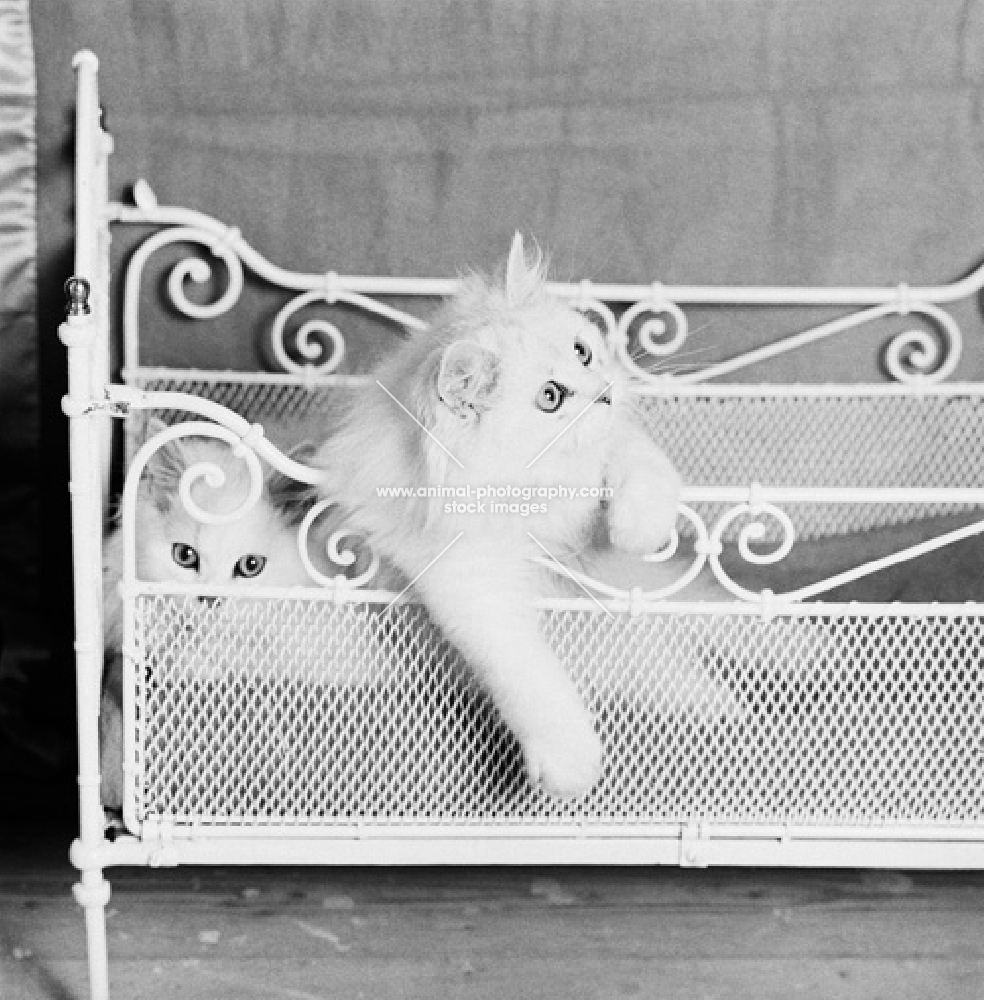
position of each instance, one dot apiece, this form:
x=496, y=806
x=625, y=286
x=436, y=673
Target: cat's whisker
x=670, y=373
x=690, y=334
x=701, y=329
x=670, y=366
x=663, y=369
x=673, y=363
x=683, y=354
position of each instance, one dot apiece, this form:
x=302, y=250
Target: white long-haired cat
x=510, y=389
x=172, y=546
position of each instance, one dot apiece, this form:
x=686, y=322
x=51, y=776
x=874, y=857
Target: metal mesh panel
x=281, y=404
x=917, y=440
x=261, y=712
x=254, y=400
x=831, y=441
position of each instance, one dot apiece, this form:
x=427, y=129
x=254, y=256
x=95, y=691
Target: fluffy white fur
x=477, y=387
x=265, y=536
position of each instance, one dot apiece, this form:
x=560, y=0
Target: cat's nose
x=605, y=397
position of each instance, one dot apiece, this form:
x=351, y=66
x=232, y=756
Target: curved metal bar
x=337, y=555
x=587, y=302
x=650, y=331
x=756, y=530
x=306, y=347
x=752, y=532
x=194, y=269
x=206, y=472
x=227, y=244
x=929, y=361
x=125, y=398
x=912, y=357
x=687, y=577
x=148, y=211
x=305, y=344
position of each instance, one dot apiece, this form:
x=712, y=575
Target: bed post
x=84, y=335
x=92, y=892
x=93, y=146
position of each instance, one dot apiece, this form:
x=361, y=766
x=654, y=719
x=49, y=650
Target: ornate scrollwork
x=687, y=569
x=190, y=269
x=207, y=473
x=594, y=310
x=656, y=338
x=198, y=270
x=319, y=343
x=344, y=558
x=754, y=531
x=310, y=339
x=912, y=357
x=915, y=357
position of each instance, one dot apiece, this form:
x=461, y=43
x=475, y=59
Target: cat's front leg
x=645, y=492
x=484, y=603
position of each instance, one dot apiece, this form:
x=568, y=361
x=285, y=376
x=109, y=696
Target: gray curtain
x=18, y=236
x=21, y=645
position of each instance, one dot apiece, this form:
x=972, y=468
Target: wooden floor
x=495, y=934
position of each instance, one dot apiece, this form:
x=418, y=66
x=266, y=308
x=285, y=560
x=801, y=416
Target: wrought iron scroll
x=319, y=342
x=912, y=357
x=247, y=444
x=653, y=316
x=747, y=522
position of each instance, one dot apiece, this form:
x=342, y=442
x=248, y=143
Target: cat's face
x=535, y=371
x=554, y=384
x=257, y=548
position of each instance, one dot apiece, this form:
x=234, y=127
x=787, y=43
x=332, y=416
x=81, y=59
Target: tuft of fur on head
x=526, y=274
x=480, y=302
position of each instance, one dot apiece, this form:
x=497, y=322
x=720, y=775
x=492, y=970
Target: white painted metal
x=85, y=334
x=913, y=357
x=755, y=697
x=469, y=847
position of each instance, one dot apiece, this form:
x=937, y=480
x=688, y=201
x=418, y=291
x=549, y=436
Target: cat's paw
x=641, y=524
x=642, y=511
x=567, y=762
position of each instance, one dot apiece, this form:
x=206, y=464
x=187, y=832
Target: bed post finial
x=77, y=292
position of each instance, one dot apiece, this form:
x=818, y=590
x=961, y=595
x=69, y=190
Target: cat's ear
x=468, y=377
x=524, y=274
x=153, y=425
x=290, y=497
x=165, y=466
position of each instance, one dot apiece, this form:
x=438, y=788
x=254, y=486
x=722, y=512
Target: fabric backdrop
x=23, y=652
x=680, y=140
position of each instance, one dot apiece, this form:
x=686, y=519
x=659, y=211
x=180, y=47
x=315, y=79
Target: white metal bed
x=858, y=739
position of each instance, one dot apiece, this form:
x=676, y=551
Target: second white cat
x=260, y=547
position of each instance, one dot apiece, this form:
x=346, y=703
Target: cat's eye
x=184, y=555
x=583, y=352
x=550, y=396
x=250, y=566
